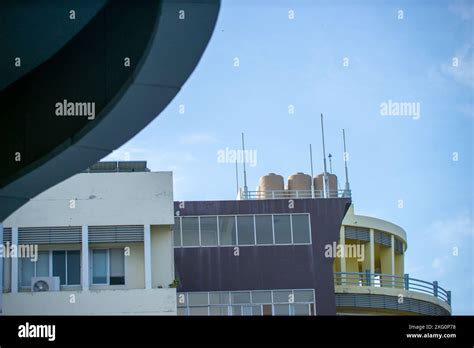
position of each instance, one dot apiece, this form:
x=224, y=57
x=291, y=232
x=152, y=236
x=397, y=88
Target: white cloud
x=454, y=231
x=197, y=139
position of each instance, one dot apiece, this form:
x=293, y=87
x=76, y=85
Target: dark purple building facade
x=256, y=257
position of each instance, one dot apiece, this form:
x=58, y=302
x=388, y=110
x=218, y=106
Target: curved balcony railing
x=283, y=194
x=392, y=281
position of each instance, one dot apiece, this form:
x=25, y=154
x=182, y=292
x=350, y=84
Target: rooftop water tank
x=299, y=185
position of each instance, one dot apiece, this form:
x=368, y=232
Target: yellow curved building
x=369, y=272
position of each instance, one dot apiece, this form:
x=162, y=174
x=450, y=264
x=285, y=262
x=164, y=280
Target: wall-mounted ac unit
x=41, y=284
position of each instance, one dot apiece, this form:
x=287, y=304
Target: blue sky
x=300, y=62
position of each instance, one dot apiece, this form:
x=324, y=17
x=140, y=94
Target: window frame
x=91, y=267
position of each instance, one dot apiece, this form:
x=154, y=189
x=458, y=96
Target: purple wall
x=265, y=267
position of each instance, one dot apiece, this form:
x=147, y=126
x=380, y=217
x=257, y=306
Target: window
x=99, y=266
x=261, y=297
x=301, y=309
x=282, y=296
x=108, y=266
x=190, y=228
x=177, y=231
x=198, y=311
x=300, y=228
x=282, y=229
x=117, y=267
x=208, y=230
x=304, y=296
x=240, y=297
x=227, y=230
x=245, y=230
x=219, y=297
x=67, y=266
x=198, y=298
x=281, y=309
x=264, y=229
x=218, y=310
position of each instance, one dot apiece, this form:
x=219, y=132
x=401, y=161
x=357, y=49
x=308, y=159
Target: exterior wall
x=136, y=198
x=162, y=256
x=102, y=302
x=265, y=267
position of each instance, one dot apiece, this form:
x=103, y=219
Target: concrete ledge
x=93, y=302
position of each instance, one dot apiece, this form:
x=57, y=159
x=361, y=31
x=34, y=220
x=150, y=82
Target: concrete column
x=393, y=253
x=15, y=261
x=372, y=252
x=147, y=253
x=342, y=242
x=1, y=270
x=85, y=258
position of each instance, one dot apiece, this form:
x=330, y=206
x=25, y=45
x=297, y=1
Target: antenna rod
x=312, y=175
x=347, y=186
x=325, y=178
x=237, y=176
x=245, y=172
x=330, y=163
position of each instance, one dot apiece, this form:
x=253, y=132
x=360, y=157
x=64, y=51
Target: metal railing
x=283, y=194
x=392, y=281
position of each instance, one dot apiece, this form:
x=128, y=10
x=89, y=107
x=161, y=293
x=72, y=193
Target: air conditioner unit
x=41, y=284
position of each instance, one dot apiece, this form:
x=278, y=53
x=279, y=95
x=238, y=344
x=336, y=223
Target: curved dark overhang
x=164, y=49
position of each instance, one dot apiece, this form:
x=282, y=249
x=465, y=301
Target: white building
x=104, y=237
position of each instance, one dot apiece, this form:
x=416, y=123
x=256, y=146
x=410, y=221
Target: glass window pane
x=190, y=227
x=218, y=310
x=227, y=230
x=246, y=310
x=198, y=310
x=245, y=230
x=236, y=310
x=256, y=310
x=281, y=309
x=99, y=266
x=42, y=264
x=219, y=298
x=181, y=311
x=281, y=296
x=59, y=265
x=301, y=309
x=282, y=229
x=304, y=296
x=27, y=272
x=117, y=267
x=197, y=298
x=261, y=297
x=209, y=230
x=263, y=225
x=241, y=297
x=177, y=231
x=73, y=267
x=300, y=228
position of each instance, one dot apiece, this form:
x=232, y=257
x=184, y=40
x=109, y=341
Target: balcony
x=391, y=293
